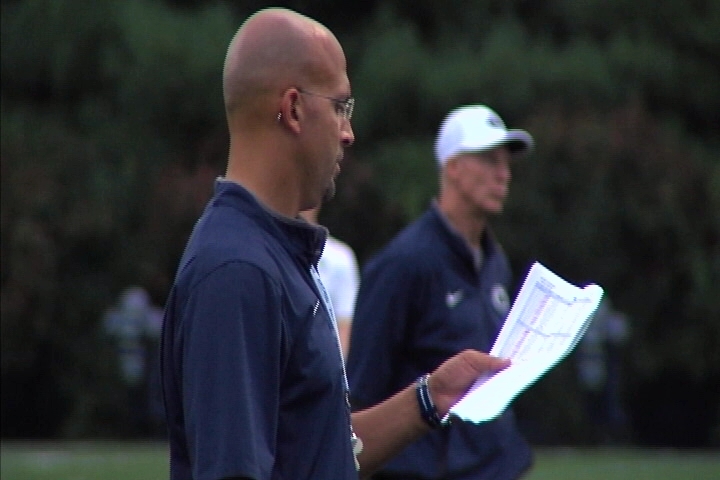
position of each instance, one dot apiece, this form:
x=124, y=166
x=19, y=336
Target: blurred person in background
x=134, y=325
x=439, y=287
x=252, y=371
x=599, y=366
x=339, y=273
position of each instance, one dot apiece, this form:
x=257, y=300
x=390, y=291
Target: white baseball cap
x=476, y=128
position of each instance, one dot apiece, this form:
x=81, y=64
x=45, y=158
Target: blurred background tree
x=113, y=131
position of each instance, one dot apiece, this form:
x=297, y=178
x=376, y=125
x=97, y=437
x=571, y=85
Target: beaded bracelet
x=428, y=411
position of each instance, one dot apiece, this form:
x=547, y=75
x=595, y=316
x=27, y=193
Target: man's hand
x=449, y=382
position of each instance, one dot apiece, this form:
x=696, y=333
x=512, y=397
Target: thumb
x=482, y=363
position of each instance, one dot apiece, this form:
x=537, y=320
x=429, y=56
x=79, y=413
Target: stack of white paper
x=545, y=322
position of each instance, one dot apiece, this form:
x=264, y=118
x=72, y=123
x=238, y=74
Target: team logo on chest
x=453, y=298
x=500, y=299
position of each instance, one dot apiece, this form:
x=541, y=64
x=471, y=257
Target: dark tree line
x=113, y=131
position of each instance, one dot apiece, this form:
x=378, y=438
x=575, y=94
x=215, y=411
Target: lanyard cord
x=328, y=306
x=355, y=441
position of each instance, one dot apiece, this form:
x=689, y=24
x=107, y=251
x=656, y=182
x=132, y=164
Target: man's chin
x=494, y=210
x=329, y=193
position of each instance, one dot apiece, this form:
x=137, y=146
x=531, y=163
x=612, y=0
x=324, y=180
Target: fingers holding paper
x=449, y=382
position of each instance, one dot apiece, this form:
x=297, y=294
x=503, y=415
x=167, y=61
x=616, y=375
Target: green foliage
x=406, y=173
x=113, y=129
x=95, y=102
x=167, y=72
x=54, y=48
x=619, y=199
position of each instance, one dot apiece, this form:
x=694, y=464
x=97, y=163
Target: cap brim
x=519, y=142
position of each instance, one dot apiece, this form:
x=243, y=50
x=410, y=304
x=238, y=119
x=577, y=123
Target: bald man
x=252, y=372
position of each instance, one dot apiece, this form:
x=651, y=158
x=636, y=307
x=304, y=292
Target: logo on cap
x=495, y=121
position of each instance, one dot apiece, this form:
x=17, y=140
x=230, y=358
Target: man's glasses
x=343, y=106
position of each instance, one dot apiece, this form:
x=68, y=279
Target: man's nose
x=347, y=136
x=504, y=169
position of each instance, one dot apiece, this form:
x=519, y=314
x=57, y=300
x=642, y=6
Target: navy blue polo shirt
x=422, y=299
x=251, y=372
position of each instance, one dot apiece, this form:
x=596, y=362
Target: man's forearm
x=387, y=428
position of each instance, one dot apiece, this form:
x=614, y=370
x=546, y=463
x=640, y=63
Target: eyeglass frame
x=344, y=107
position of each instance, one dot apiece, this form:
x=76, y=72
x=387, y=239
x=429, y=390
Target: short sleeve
x=232, y=333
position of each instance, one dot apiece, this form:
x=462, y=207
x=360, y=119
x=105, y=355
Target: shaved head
x=282, y=77
x=273, y=50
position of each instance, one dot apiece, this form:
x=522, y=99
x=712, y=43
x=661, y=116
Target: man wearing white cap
x=441, y=286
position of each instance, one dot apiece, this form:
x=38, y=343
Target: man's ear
x=452, y=168
x=290, y=110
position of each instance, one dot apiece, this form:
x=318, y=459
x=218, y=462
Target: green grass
x=148, y=461
x=630, y=464
x=83, y=461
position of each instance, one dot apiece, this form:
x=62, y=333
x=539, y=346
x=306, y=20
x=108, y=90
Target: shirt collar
x=302, y=238
x=476, y=256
